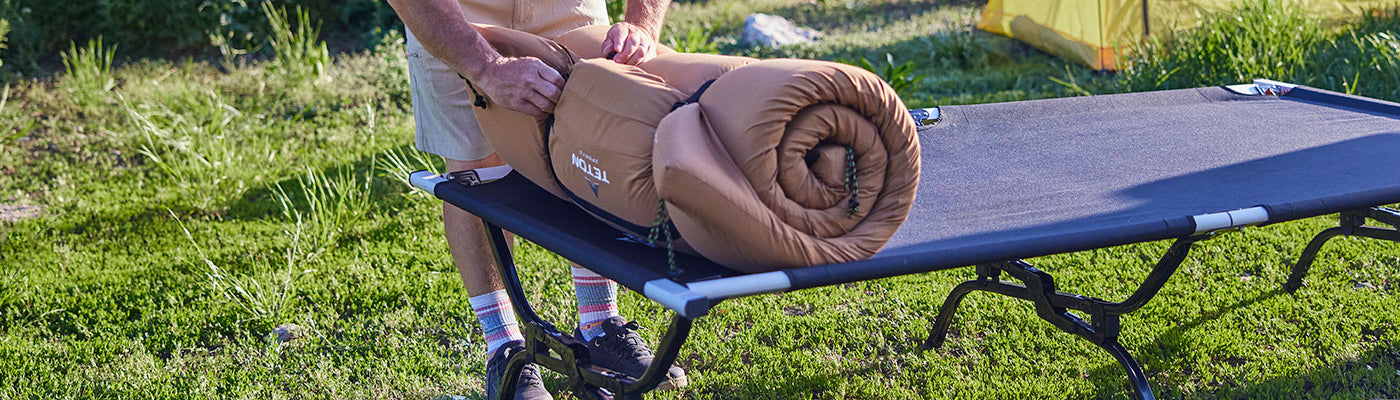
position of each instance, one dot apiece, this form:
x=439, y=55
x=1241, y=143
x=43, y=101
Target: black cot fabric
x=1015, y=180
x=1025, y=179
x=518, y=206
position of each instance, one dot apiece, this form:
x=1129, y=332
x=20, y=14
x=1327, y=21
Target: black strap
x=694, y=97
x=479, y=101
x=634, y=229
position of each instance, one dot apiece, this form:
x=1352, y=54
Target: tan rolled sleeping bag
x=754, y=175
x=758, y=182
x=520, y=139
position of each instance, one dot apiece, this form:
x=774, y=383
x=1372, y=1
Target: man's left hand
x=632, y=44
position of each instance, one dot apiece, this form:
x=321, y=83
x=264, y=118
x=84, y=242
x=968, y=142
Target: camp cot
x=1004, y=182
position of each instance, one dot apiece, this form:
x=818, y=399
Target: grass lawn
x=159, y=219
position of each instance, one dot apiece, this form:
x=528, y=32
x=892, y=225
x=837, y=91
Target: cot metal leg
x=1353, y=223
x=548, y=347
x=1053, y=306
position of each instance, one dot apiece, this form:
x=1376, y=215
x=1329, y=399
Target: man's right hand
x=523, y=84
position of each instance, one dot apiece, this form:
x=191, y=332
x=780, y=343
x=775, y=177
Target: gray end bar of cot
x=426, y=181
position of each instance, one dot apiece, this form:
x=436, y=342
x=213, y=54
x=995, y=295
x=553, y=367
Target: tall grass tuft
x=1274, y=40
x=326, y=206
x=397, y=165
x=15, y=128
x=262, y=295
x=197, y=146
x=88, y=70
x=299, y=55
x=1254, y=39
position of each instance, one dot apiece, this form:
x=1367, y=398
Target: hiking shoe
x=528, y=387
x=620, y=348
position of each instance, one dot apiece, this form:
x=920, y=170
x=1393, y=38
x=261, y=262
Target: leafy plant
x=298, y=53
x=4, y=37
x=900, y=78
x=696, y=40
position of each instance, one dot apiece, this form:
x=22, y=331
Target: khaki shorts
x=443, y=122
x=442, y=105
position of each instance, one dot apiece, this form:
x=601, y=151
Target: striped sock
x=497, y=319
x=597, y=301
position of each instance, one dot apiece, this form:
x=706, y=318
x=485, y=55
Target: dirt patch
x=16, y=212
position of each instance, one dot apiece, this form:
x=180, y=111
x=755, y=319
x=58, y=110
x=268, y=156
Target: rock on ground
x=16, y=212
x=288, y=332
x=774, y=31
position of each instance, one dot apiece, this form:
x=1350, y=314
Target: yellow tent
x=1096, y=32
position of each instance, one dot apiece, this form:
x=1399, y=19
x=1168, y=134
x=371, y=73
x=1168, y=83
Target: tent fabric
x=755, y=176
x=1096, y=33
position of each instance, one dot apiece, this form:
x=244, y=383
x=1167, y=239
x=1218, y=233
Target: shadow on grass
x=1375, y=374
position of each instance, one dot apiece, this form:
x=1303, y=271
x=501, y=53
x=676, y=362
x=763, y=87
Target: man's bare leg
x=466, y=238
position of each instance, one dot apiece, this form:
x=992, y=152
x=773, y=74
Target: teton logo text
x=589, y=166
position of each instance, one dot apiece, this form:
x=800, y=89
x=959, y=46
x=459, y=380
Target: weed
x=696, y=40
x=1255, y=39
x=398, y=164
x=900, y=78
x=13, y=130
x=327, y=206
x=961, y=46
x=1071, y=83
x=4, y=37
x=299, y=55
x=260, y=301
x=89, y=70
x=195, y=149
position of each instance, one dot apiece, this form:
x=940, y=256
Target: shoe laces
x=529, y=376
x=625, y=340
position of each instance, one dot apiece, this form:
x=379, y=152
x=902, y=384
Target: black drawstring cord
x=479, y=101
x=852, y=186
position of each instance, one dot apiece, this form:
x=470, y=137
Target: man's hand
x=523, y=84
x=631, y=43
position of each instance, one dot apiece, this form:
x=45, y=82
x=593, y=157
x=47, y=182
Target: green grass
x=190, y=208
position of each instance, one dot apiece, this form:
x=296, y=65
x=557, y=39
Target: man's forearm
x=647, y=14
x=439, y=27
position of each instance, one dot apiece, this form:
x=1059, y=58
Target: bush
x=166, y=28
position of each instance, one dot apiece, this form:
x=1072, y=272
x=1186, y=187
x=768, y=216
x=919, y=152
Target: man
x=441, y=46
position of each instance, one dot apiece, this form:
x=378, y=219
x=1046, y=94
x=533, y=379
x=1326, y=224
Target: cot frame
x=558, y=351
x=689, y=299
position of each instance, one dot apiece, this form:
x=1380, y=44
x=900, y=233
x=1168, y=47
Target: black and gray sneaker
x=528, y=387
x=621, y=349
